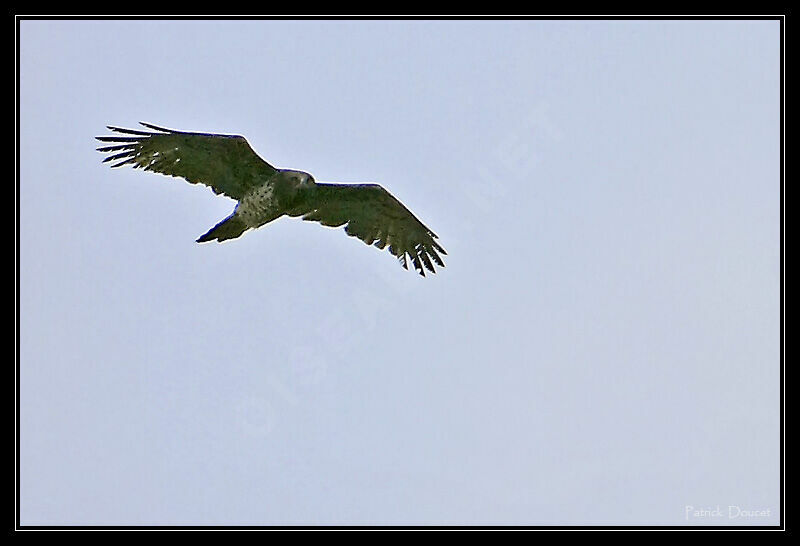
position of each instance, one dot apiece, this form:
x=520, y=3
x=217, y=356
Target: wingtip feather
x=121, y=163
x=127, y=131
x=156, y=127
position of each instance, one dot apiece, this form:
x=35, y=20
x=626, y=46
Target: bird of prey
x=228, y=165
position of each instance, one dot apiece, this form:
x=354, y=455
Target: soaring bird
x=228, y=165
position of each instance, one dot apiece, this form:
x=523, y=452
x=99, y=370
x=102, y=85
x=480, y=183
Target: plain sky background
x=602, y=347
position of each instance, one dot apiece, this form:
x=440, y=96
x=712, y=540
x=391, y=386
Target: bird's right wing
x=225, y=163
x=373, y=215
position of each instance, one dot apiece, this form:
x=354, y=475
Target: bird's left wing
x=225, y=163
x=373, y=215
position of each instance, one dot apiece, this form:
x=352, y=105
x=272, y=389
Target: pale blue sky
x=602, y=347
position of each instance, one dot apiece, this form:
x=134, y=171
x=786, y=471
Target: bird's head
x=299, y=179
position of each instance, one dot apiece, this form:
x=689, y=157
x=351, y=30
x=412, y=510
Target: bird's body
x=228, y=165
x=260, y=205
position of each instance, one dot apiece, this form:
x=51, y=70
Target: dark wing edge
x=375, y=216
x=225, y=163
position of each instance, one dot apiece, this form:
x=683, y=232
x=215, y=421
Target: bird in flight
x=228, y=165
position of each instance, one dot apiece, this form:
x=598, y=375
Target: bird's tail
x=229, y=228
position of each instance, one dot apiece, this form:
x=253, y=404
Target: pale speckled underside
x=258, y=206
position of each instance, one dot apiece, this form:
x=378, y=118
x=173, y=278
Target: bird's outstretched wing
x=226, y=163
x=373, y=215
